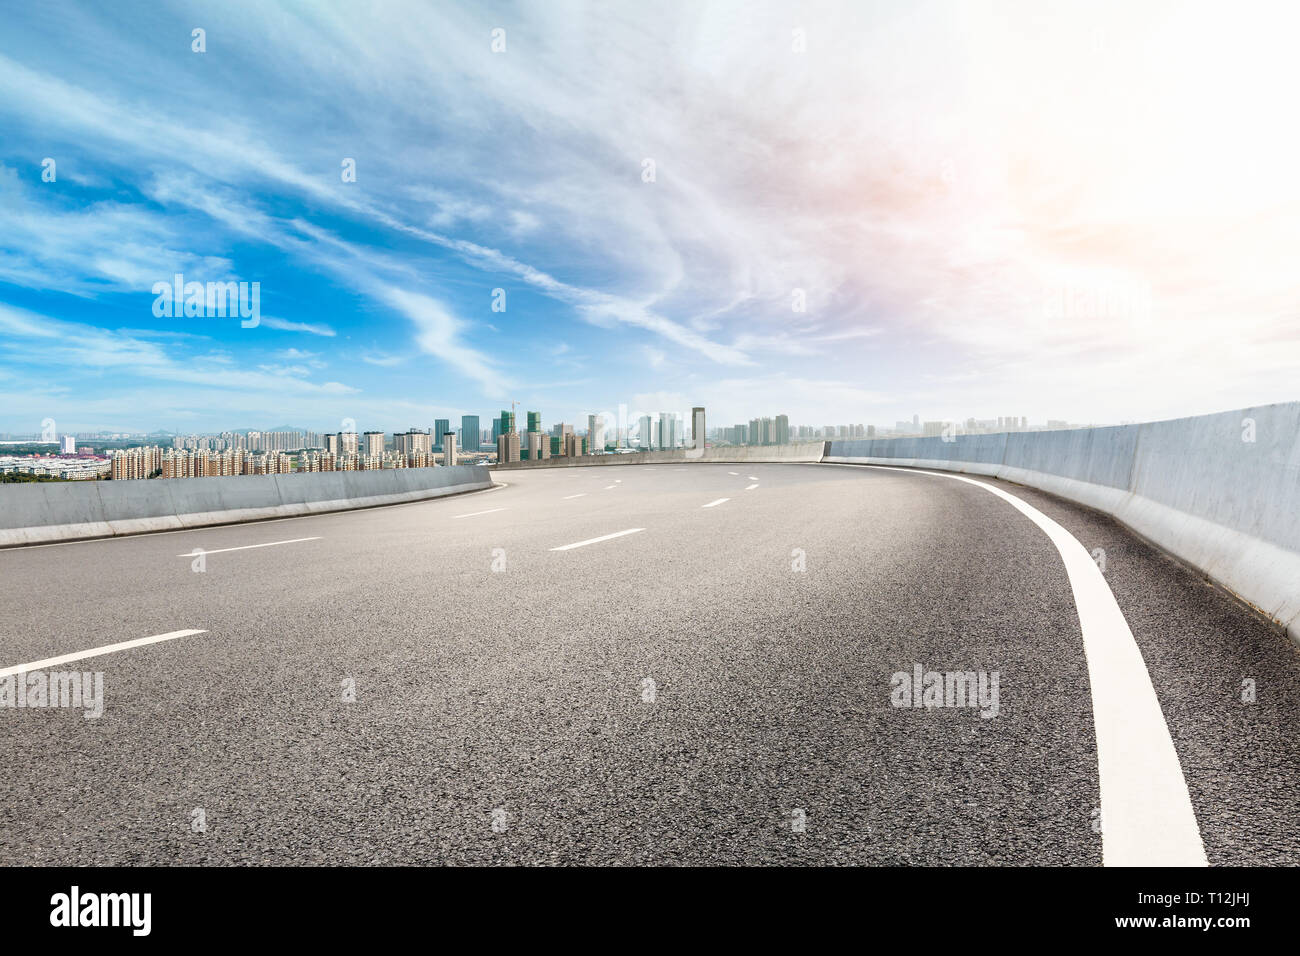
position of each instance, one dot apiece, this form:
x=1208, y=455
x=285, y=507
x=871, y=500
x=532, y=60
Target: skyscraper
x=440, y=427
x=782, y=430
x=469, y=433
x=534, y=421
x=449, y=448
x=697, y=427
x=646, y=432
x=374, y=444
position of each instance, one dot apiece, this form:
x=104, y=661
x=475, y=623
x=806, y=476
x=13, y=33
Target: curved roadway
x=681, y=693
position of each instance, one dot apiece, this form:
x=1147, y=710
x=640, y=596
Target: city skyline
x=489, y=230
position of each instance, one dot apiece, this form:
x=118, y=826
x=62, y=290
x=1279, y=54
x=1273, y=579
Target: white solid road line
x=714, y=503
x=603, y=537
x=476, y=513
x=750, y=487
x=247, y=547
x=95, y=652
x=1146, y=813
x=582, y=495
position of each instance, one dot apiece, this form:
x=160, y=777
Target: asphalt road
x=677, y=694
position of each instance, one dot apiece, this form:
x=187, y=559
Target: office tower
x=440, y=427
x=449, y=448
x=781, y=432
x=470, y=437
x=373, y=444
x=698, y=433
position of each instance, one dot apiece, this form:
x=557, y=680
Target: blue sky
x=991, y=210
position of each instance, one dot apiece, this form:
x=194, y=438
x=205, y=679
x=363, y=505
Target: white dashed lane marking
x=603, y=537
x=474, y=514
x=247, y=547
x=96, y=652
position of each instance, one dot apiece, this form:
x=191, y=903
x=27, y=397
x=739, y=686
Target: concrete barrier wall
x=41, y=512
x=1220, y=492
x=802, y=452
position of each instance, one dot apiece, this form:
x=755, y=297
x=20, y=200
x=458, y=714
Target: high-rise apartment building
x=373, y=446
x=508, y=446
x=349, y=443
x=669, y=430
x=134, y=463
x=505, y=424
x=645, y=432
x=449, y=448
x=782, y=433
x=412, y=442
x=698, y=432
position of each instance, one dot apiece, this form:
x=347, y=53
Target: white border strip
x=1146, y=812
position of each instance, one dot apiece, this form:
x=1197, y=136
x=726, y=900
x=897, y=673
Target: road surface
x=673, y=664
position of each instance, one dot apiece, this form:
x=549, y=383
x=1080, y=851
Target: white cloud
x=285, y=325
